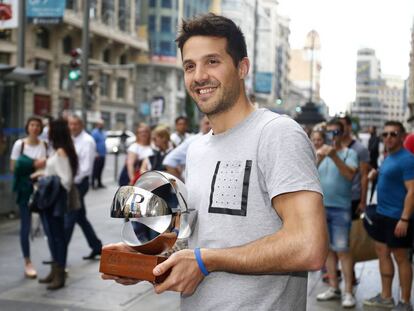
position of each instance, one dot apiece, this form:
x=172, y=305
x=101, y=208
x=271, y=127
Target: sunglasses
x=334, y=133
x=392, y=134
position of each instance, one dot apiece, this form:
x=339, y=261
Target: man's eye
x=188, y=67
x=213, y=61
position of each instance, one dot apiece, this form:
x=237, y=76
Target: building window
x=120, y=88
x=64, y=78
x=71, y=5
x=165, y=24
x=123, y=15
x=107, y=12
x=151, y=23
x=67, y=45
x=42, y=38
x=123, y=59
x=43, y=65
x=106, y=117
x=104, y=85
x=93, y=9
x=120, y=119
x=153, y=3
x=5, y=34
x=166, y=4
x=165, y=47
x=106, y=57
x=4, y=58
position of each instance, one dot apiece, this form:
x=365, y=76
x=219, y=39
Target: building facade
x=282, y=62
x=115, y=46
x=391, y=94
x=367, y=105
x=410, y=85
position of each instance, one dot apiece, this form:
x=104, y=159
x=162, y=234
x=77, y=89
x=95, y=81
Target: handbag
x=362, y=246
x=33, y=203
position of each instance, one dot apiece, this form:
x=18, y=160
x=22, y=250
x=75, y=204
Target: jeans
x=339, y=226
x=59, y=248
x=25, y=225
x=79, y=217
x=98, y=166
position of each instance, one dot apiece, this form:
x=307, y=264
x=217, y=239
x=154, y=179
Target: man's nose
x=200, y=74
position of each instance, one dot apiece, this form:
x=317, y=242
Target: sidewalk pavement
x=86, y=291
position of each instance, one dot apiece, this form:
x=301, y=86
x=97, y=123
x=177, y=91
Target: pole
x=311, y=67
x=18, y=115
x=256, y=26
x=85, y=56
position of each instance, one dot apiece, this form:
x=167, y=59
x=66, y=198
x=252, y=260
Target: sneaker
x=403, y=306
x=330, y=294
x=348, y=301
x=378, y=301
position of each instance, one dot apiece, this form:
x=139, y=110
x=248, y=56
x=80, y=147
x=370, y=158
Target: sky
x=344, y=26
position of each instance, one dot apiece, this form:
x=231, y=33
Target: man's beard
x=225, y=102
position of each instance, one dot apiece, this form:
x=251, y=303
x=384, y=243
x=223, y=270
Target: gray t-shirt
x=231, y=179
x=363, y=156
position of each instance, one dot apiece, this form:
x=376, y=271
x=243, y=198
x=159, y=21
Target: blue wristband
x=200, y=262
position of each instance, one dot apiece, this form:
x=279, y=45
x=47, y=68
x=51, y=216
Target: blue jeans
x=57, y=245
x=339, y=226
x=79, y=217
x=25, y=225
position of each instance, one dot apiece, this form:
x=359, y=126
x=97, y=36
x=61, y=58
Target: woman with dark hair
x=64, y=165
x=28, y=154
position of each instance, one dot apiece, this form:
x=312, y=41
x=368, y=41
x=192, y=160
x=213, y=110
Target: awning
x=19, y=74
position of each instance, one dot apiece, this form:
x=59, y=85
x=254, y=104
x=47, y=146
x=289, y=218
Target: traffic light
x=74, y=64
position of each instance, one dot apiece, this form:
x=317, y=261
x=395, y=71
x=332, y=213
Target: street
x=85, y=290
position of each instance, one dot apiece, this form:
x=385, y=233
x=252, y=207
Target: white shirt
x=86, y=150
x=60, y=166
x=32, y=151
x=141, y=151
x=177, y=138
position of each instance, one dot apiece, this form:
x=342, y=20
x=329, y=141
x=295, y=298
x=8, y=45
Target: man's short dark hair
x=397, y=124
x=215, y=26
x=337, y=123
x=347, y=119
x=35, y=119
x=179, y=118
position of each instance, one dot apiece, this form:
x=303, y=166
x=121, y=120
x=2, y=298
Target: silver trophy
x=156, y=215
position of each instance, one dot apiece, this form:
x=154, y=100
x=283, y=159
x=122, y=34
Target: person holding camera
x=337, y=167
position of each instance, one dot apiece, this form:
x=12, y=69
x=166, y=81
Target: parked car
x=114, y=143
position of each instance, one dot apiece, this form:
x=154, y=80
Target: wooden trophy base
x=131, y=265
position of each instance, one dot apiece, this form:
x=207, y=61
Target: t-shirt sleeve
x=287, y=159
x=17, y=147
x=364, y=155
x=352, y=159
x=408, y=168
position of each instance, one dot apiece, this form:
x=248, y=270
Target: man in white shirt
x=85, y=149
x=180, y=134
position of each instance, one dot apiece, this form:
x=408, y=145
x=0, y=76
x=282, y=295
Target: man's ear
x=243, y=67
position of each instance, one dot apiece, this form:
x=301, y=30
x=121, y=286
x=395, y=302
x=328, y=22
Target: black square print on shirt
x=230, y=188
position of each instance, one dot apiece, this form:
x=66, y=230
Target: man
x=392, y=226
x=338, y=165
x=176, y=158
x=360, y=180
x=99, y=136
x=180, y=134
x=85, y=149
x=373, y=147
x=253, y=180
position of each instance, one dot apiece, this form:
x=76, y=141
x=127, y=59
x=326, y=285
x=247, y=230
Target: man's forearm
x=345, y=170
x=277, y=253
x=408, y=205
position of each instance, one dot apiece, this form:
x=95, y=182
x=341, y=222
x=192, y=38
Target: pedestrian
x=99, y=136
x=27, y=155
x=137, y=152
x=161, y=139
x=318, y=141
x=392, y=227
x=63, y=164
x=175, y=160
x=373, y=147
x=86, y=150
x=253, y=181
x=180, y=134
x=336, y=170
